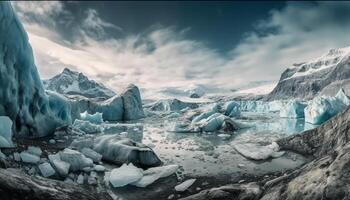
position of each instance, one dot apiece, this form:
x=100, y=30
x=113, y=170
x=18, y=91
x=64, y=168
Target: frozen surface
x=125, y=175
x=46, y=169
x=5, y=132
x=293, y=109
x=152, y=174
x=185, y=185
x=95, y=118
x=76, y=159
x=259, y=152
x=29, y=158
x=34, y=113
x=322, y=108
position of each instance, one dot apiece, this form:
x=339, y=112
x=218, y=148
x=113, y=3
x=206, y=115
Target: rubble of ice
x=125, y=175
x=292, y=109
x=5, y=132
x=259, y=152
x=93, y=155
x=76, y=159
x=185, y=185
x=92, y=118
x=322, y=108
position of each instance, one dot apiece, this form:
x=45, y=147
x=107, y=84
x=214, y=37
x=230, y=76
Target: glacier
x=170, y=105
x=322, y=108
x=22, y=95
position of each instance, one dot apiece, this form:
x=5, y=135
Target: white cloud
x=165, y=58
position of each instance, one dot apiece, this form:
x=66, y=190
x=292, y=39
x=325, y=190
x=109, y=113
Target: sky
x=159, y=45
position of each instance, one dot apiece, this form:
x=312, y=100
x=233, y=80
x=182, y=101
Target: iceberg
x=5, y=132
x=259, y=152
x=92, y=118
x=46, y=169
x=152, y=174
x=132, y=103
x=76, y=159
x=320, y=109
x=119, y=150
x=293, y=109
x=185, y=185
x=124, y=175
x=213, y=122
x=212, y=110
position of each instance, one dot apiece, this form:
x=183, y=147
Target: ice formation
x=76, y=159
x=232, y=109
x=119, y=150
x=5, y=132
x=293, y=109
x=320, y=109
x=87, y=127
x=46, y=169
x=22, y=96
x=152, y=174
x=124, y=175
x=185, y=185
x=259, y=152
x=212, y=110
x=74, y=83
x=132, y=103
x=213, y=122
x=95, y=118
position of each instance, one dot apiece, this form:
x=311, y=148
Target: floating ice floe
x=61, y=167
x=320, y=109
x=259, y=152
x=293, y=109
x=124, y=175
x=46, y=169
x=76, y=159
x=152, y=174
x=185, y=185
x=5, y=132
x=119, y=150
x=95, y=118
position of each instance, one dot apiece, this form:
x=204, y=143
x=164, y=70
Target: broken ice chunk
x=152, y=174
x=34, y=150
x=124, y=175
x=76, y=159
x=5, y=132
x=93, y=155
x=29, y=158
x=259, y=152
x=46, y=169
x=61, y=166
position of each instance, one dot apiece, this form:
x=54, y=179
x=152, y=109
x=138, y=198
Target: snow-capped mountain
x=308, y=79
x=74, y=83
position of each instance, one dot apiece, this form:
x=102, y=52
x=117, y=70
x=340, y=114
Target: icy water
x=210, y=158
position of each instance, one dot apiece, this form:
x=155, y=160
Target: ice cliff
x=22, y=96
